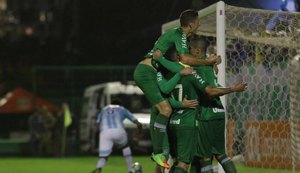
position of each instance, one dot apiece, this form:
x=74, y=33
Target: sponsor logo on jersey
x=175, y=121
x=216, y=110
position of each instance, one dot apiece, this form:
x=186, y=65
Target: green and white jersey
x=172, y=37
x=188, y=86
x=210, y=108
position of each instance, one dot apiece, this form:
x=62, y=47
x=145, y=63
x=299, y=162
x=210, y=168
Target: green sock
x=172, y=169
x=160, y=144
x=206, y=166
x=165, y=147
x=177, y=169
x=195, y=166
x=227, y=164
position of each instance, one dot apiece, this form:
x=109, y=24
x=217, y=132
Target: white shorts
x=108, y=138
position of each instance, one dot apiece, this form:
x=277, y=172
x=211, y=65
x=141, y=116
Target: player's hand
x=214, y=59
x=189, y=103
x=187, y=71
x=140, y=127
x=157, y=54
x=216, y=69
x=241, y=86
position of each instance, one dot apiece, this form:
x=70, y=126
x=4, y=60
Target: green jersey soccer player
x=145, y=76
x=211, y=126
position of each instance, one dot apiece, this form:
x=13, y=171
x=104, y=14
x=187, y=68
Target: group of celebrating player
x=187, y=117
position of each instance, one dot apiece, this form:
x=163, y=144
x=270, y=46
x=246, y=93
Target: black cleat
x=97, y=170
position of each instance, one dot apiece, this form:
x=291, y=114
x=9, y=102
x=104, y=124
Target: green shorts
x=145, y=78
x=182, y=143
x=210, y=138
x=182, y=131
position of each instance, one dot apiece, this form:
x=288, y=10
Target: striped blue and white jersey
x=112, y=116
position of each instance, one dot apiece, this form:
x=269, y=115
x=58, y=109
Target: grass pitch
x=116, y=164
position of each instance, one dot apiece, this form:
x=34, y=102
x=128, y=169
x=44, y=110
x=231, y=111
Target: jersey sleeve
x=174, y=103
x=166, y=86
x=170, y=65
x=128, y=114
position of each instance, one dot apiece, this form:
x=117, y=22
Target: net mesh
x=263, y=122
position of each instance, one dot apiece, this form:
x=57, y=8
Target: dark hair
x=198, y=41
x=116, y=102
x=170, y=53
x=187, y=17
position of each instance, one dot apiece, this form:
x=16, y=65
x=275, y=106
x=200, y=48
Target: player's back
x=173, y=37
x=184, y=117
x=185, y=88
x=211, y=108
x=112, y=116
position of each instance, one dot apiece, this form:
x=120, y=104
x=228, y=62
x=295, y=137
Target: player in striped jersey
x=110, y=123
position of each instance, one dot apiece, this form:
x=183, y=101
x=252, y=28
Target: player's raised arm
x=191, y=60
x=213, y=92
x=173, y=67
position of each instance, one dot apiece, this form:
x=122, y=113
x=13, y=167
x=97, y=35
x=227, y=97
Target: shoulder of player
x=173, y=32
x=113, y=107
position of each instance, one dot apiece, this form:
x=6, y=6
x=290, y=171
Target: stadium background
x=57, y=48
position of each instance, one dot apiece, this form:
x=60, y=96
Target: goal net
x=263, y=123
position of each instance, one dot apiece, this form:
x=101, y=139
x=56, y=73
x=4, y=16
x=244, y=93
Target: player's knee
x=167, y=110
x=104, y=158
x=125, y=146
x=164, y=108
x=126, y=152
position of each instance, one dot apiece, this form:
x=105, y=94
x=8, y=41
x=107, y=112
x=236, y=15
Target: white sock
x=101, y=162
x=127, y=155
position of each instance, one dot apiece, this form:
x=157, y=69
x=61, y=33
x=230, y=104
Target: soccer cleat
x=97, y=170
x=161, y=160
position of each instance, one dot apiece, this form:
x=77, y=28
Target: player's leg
x=145, y=78
x=177, y=169
x=226, y=163
x=154, y=113
x=128, y=156
x=159, y=169
x=182, y=145
x=160, y=127
x=121, y=141
x=195, y=166
x=206, y=165
x=100, y=164
x=105, y=149
x=219, y=146
x=204, y=147
x=159, y=144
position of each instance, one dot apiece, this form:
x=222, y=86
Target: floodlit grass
x=116, y=164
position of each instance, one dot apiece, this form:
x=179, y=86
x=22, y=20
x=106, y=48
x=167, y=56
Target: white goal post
x=263, y=123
